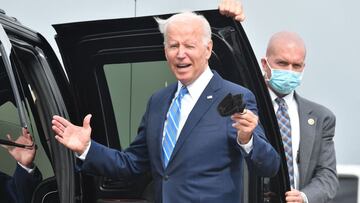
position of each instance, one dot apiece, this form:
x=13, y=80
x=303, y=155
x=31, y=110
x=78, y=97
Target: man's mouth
x=183, y=65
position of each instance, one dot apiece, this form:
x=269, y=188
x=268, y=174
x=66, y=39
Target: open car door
x=29, y=96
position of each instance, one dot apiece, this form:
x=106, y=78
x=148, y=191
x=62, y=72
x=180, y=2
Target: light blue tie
x=172, y=126
x=285, y=130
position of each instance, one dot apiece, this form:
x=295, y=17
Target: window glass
x=130, y=86
x=9, y=119
x=9, y=124
x=9, y=116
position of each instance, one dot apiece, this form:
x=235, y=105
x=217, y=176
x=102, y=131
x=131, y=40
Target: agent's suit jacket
x=20, y=187
x=317, y=162
x=206, y=164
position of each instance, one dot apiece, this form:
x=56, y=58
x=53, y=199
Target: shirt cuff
x=83, y=155
x=29, y=170
x=248, y=146
x=305, y=199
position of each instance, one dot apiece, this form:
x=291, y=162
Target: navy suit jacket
x=20, y=187
x=206, y=164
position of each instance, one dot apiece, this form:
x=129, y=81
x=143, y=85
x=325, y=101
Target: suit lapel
x=308, y=124
x=201, y=107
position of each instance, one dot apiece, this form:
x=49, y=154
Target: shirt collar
x=197, y=87
x=288, y=98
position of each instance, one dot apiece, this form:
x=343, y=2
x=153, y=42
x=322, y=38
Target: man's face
x=285, y=57
x=185, y=51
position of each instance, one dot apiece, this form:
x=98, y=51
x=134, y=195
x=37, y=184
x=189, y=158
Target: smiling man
x=193, y=153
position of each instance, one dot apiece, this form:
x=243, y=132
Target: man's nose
x=181, y=52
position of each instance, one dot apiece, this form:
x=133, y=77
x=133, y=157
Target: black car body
x=110, y=69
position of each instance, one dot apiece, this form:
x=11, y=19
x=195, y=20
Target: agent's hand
x=76, y=138
x=24, y=156
x=245, y=123
x=232, y=8
x=293, y=196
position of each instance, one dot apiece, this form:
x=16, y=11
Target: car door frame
x=56, y=99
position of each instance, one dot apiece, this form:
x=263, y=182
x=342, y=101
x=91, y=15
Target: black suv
x=111, y=67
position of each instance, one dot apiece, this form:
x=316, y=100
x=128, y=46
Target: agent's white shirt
x=293, y=112
x=295, y=129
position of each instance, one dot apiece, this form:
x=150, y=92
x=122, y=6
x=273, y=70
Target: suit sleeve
x=324, y=183
x=22, y=185
x=263, y=158
x=104, y=161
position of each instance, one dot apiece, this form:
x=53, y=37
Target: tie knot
x=281, y=102
x=183, y=91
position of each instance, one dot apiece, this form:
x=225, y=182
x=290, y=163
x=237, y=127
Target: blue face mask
x=284, y=81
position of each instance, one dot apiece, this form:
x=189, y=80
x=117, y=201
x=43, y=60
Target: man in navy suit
x=19, y=188
x=206, y=162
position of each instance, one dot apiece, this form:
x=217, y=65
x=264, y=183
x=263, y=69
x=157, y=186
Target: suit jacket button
x=166, y=177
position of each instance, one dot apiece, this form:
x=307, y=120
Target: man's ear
x=209, y=47
x=265, y=69
x=165, y=52
x=263, y=64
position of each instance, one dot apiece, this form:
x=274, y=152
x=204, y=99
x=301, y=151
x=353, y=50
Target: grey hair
x=185, y=16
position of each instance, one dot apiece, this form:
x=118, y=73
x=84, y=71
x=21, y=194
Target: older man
x=193, y=153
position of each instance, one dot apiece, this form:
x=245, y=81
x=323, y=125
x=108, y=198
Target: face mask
x=284, y=81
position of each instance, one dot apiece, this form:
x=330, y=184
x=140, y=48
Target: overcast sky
x=329, y=28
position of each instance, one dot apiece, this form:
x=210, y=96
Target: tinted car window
x=130, y=86
x=10, y=121
x=9, y=116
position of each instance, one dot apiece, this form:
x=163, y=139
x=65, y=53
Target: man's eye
x=282, y=64
x=172, y=46
x=297, y=66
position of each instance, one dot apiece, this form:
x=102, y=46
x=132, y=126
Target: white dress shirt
x=295, y=129
x=29, y=170
x=293, y=112
x=189, y=100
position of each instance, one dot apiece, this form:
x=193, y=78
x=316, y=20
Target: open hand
x=76, y=138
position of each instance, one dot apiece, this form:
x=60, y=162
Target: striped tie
x=285, y=129
x=172, y=125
